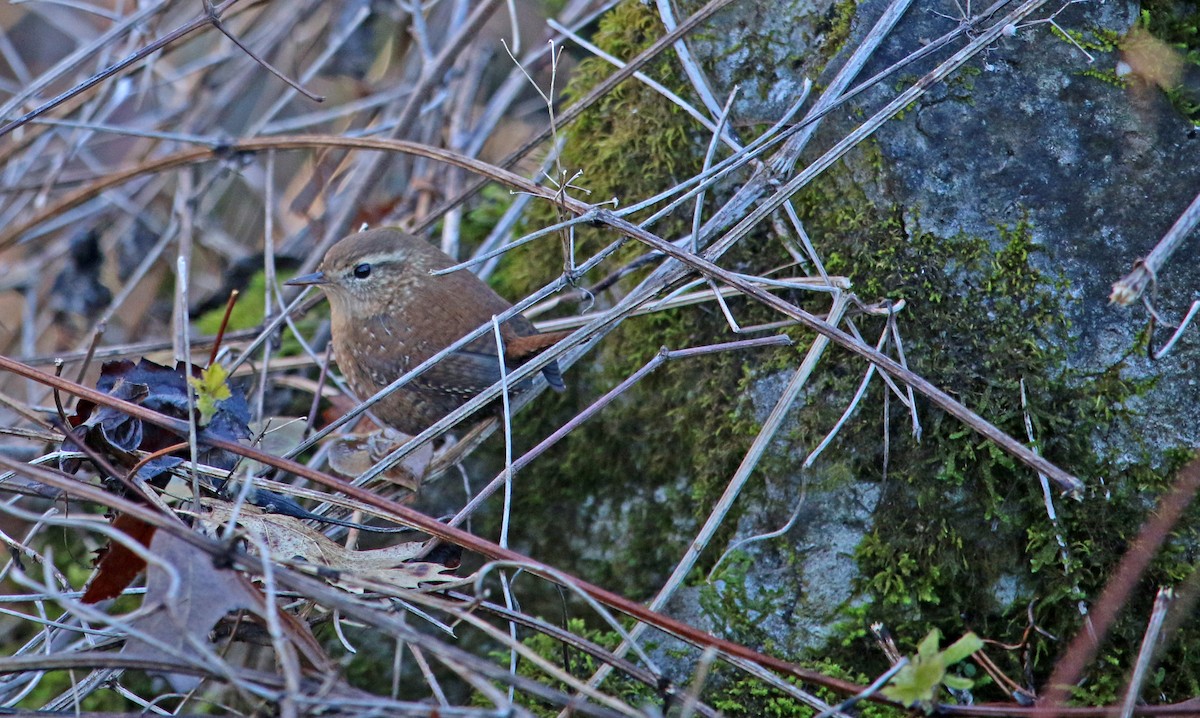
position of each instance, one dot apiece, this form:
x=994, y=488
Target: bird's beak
x=305, y=280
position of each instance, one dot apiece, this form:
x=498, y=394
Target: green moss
x=736, y=611
x=485, y=213
x=249, y=310
x=961, y=84
x=1175, y=23
x=737, y=695
x=727, y=690
x=1094, y=40
x=687, y=420
x=633, y=142
x=55, y=683
x=629, y=145
x=247, y=313
x=958, y=515
x=836, y=28
x=577, y=663
x=1106, y=75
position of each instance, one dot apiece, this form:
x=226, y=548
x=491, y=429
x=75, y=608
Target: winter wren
x=389, y=314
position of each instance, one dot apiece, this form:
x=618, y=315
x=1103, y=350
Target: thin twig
x=109, y=71
x=214, y=16
x=1147, y=651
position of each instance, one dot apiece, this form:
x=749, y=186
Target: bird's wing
x=464, y=373
x=467, y=372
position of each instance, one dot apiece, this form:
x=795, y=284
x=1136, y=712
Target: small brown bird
x=389, y=314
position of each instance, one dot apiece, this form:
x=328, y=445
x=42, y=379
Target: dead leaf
x=1151, y=59
x=274, y=435
x=204, y=595
x=293, y=542
x=352, y=456
x=117, y=565
x=163, y=389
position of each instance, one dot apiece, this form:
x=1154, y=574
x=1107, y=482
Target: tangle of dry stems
x=184, y=140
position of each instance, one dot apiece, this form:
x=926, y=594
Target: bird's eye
x=362, y=271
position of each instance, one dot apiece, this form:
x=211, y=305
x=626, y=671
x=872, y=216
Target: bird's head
x=369, y=272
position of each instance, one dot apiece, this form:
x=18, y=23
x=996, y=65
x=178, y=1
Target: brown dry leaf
x=275, y=435
x=182, y=621
x=353, y=455
x=1151, y=59
x=292, y=541
x=117, y=566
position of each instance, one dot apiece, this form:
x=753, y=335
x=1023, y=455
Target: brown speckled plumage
x=399, y=315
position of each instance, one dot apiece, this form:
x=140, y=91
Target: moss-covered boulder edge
x=961, y=539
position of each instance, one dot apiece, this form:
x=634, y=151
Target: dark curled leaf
x=78, y=288
x=232, y=418
x=165, y=390
x=72, y=443
x=157, y=467
x=115, y=430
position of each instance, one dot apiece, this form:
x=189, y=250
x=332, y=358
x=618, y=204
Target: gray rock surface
x=1025, y=133
x=767, y=49
x=1099, y=171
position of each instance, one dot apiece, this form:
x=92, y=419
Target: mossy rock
x=1001, y=310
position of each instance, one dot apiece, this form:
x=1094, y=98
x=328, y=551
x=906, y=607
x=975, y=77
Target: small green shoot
x=211, y=388
x=919, y=682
